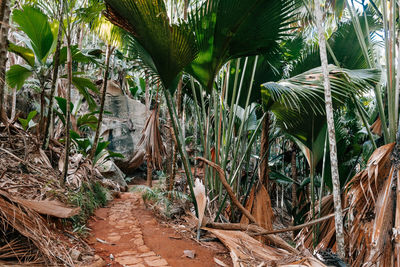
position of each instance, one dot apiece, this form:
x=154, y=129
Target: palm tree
x=167, y=49
x=331, y=131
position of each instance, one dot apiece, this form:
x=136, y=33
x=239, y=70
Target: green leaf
x=83, y=84
x=101, y=146
x=26, y=53
x=87, y=56
x=87, y=120
x=17, y=75
x=229, y=29
x=36, y=26
x=28, y=122
x=281, y=178
x=62, y=104
x=165, y=49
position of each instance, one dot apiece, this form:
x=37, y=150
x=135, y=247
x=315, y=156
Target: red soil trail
x=136, y=239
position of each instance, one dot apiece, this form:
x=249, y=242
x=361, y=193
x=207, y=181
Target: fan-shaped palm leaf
x=228, y=29
x=36, y=26
x=171, y=47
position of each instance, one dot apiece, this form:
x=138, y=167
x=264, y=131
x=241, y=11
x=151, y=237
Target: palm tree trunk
x=294, y=176
x=264, y=152
x=147, y=95
x=149, y=171
x=68, y=118
x=102, y=101
x=4, y=21
x=340, y=246
x=50, y=112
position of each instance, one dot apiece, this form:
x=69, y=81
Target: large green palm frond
x=303, y=94
x=344, y=45
x=171, y=47
x=37, y=27
x=228, y=29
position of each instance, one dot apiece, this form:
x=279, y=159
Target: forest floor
x=126, y=233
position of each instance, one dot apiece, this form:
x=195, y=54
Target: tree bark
x=340, y=246
x=149, y=171
x=56, y=64
x=68, y=118
x=294, y=176
x=102, y=101
x=4, y=26
x=147, y=95
x=264, y=153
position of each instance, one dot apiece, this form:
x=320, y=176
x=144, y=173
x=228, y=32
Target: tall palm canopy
x=170, y=47
x=217, y=31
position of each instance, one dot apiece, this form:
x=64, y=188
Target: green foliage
x=157, y=196
x=137, y=86
x=28, y=123
x=164, y=49
x=36, y=26
x=85, y=144
x=83, y=85
x=26, y=53
x=225, y=30
x=17, y=75
x=88, y=197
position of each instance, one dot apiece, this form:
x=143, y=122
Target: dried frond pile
x=246, y=251
x=30, y=238
x=372, y=219
x=31, y=191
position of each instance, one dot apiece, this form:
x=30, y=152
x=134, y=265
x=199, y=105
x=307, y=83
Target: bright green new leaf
x=26, y=53
x=17, y=75
x=37, y=27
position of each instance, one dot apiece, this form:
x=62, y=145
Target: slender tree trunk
x=68, y=118
x=147, y=95
x=149, y=171
x=56, y=63
x=42, y=105
x=14, y=90
x=264, y=152
x=103, y=99
x=340, y=246
x=4, y=20
x=294, y=176
x=294, y=186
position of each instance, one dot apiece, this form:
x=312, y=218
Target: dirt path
x=135, y=238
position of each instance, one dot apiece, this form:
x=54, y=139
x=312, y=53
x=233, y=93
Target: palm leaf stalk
x=235, y=153
x=371, y=64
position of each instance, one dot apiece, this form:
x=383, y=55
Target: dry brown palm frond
x=18, y=220
x=152, y=141
x=326, y=238
x=376, y=127
x=369, y=200
x=259, y=205
x=368, y=195
x=247, y=251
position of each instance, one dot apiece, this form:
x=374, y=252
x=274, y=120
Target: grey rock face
x=110, y=171
x=123, y=129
